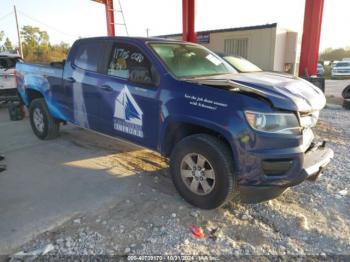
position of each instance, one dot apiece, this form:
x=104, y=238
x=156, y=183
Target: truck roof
x=140, y=39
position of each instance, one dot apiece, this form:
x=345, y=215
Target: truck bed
x=37, y=77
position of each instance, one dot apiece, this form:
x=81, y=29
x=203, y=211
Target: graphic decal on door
x=127, y=114
x=80, y=113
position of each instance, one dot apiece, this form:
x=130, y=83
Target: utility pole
x=18, y=34
x=147, y=32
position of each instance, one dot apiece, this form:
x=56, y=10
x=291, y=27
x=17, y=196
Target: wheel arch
x=32, y=94
x=175, y=130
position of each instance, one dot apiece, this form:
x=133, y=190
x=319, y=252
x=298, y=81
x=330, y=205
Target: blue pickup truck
x=228, y=135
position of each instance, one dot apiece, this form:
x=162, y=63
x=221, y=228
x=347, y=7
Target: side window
x=128, y=62
x=87, y=56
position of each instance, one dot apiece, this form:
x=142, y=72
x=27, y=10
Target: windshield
x=241, y=64
x=342, y=64
x=188, y=61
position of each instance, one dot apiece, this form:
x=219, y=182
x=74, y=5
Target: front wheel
x=202, y=171
x=346, y=103
x=43, y=124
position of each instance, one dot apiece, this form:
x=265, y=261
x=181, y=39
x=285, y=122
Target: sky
x=66, y=20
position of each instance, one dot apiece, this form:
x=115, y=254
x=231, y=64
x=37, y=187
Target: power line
x=44, y=24
x=5, y=16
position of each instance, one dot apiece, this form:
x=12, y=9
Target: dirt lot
x=334, y=88
x=145, y=215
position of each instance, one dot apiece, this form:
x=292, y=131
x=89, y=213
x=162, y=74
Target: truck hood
x=282, y=90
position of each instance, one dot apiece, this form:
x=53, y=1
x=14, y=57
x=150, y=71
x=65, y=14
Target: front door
x=131, y=108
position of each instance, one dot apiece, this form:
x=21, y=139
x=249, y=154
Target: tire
x=49, y=126
x=346, y=92
x=16, y=111
x=218, y=162
x=346, y=104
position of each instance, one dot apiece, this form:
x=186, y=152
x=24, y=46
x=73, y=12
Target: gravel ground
x=310, y=219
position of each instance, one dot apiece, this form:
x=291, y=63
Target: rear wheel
x=43, y=124
x=202, y=171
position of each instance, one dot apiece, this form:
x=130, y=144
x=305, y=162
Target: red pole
x=311, y=37
x=184, y=20
x=110, y=17
x=188, y=21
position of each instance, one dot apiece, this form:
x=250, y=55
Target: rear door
x=130, y=107
x=82, y=84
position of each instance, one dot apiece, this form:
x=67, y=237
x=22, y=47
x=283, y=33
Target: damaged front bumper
x=316, y=158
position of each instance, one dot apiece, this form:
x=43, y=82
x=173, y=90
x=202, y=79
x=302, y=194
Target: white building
x=269, y=46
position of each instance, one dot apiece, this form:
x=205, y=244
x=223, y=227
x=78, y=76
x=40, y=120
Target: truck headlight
x=281, y=123
x=310, y=120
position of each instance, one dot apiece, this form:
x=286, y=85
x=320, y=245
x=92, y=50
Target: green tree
x=330, y=54
x=8, y=44
x=1, y=37
x=37, y=48
x=35, y=44
x=58, y=52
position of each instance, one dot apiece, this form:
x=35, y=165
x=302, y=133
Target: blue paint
x=174, y=101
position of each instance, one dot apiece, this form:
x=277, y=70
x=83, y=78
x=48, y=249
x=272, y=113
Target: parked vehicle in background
x=8, y=90
x=341, y=70
x=320, y=70
x=241, y=64
x=227, y=134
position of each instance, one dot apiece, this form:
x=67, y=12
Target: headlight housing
x=280, y=123
x=310, y=120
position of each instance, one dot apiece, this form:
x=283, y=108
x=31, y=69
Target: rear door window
x=88, y=56
x=128, y=62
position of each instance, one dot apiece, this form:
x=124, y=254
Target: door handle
x=70, y=80
x=107, y=88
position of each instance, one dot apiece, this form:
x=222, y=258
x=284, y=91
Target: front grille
x=344, y=71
